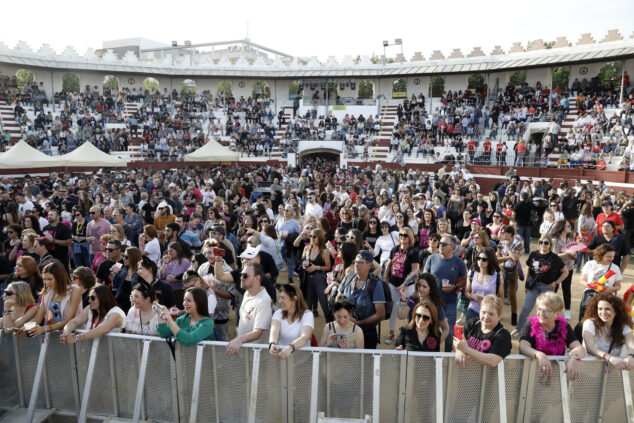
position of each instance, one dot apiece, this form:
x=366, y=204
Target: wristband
x=77, y=338
x=45, y=328
x=292, y=348
x=272, y=343
x=240, y=338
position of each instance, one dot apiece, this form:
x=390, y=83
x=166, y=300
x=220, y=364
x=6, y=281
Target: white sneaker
x=389, y=339
x=567, y=314
x=515, y=333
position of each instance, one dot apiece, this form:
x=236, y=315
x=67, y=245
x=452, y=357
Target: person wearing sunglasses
x=483, y=280
x=255, y=309
x=403, y=262
x=422, y=333
x=546, y=270
x=19, y=306
x=102, y=316
x=81, y=246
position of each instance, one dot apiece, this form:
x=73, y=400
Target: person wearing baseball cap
x=365, y=292
x=608, y=213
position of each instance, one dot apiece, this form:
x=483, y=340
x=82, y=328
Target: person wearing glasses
x=60, y=300
x=365, y=292
x=113, y=253
x=316, y=263
x=450, y=272
x=484, y=339
x=423, y=332
x=546, y=270
x=385, y=243
x=96, y=228
x=292, y=324
x=142, y=319
x=102, y=316
x=509, y=252
x=403, y=262
x=125, y=277
x=147, y=271
x=19, y=306
x=548, y=333
x=255, y=309
x=81, y=246
x=163, y=217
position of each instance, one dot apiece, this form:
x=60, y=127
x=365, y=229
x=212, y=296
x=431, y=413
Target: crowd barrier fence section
x=141, y=378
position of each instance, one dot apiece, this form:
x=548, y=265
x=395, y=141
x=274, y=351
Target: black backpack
x=389, y=304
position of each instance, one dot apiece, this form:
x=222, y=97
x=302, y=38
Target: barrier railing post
x=38, y=378
x=193, y=413
x=180, y=390
x=253, y=398
x=502, y=392
x=376, y=389
x=402, y=386
x=524, y=390
x=215, y=373
x=139, y=388
x=287, y=376
x=563, y=382
x=361, y=384
x=89, y=373
x=314, y=388
x=482, y=390
x=18, y=367
x=73, y=365
x=439, y=391
x=113, y=377
x=627, y=393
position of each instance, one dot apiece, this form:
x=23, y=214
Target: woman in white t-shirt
x=99, y=317
x=594, y=270
x=292, y=324
x=607, y=331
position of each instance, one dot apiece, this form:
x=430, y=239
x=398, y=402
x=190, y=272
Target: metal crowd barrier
x=134, y=378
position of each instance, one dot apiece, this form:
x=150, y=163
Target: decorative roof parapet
x=456, y=54
x=612, y=35
x=517, y=48
x=23, y=47
x=476, y=52
x=46, y=50
x=562, y=42
x=586, y=38
x=418, y=57
x=399, y=58
x=437, y=55
x=497, y=51
x=537, y=45
x=70, y=53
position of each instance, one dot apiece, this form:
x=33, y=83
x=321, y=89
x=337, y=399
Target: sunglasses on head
x=425, y=317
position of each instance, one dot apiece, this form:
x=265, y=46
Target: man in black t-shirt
x=522, y=215
x=59, y=235
x=114, y=254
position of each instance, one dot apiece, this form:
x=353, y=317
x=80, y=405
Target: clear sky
x=315, y=28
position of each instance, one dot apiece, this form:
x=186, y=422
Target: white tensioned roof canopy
x=193, y=66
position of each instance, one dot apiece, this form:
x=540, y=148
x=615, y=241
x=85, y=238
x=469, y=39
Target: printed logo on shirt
x=479, y=345
x=398, y=265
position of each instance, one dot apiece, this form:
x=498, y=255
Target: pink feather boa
x=553, y=347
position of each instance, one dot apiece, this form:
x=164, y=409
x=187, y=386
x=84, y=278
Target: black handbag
x=530, y=283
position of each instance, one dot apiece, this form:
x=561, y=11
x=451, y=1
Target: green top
x=202, y=330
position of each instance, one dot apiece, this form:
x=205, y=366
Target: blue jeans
x=582, y=258
x=450, y=312
x=529, y=302
x=471, y=313
x=525, y=233
x=83, y=257
x=290, y=265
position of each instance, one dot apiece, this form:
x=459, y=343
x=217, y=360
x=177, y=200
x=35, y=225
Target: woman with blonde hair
x=316, y=263
x=403, y=263
x=118, y=232
x=19, y=306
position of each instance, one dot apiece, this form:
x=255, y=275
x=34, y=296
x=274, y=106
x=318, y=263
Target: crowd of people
x=255, y=254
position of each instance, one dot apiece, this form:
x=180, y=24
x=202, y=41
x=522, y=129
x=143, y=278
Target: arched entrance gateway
x=313, y=152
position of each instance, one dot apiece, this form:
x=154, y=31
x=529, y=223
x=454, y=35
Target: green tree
x=610, y=73
x=561, y=77
x=150, y=84
x=110, y=82
x=476, y=80
x=224, y=87
x=261, y=89
x=70, y=83
x=518, y=78
x=357, y=59
x=188, y=87
x=365, y=89
x=24, y=77
x=293, y=90
x=437, y=86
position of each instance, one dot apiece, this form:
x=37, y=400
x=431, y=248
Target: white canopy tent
x=23, y=156
x=87, y=155
x=212, y=152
